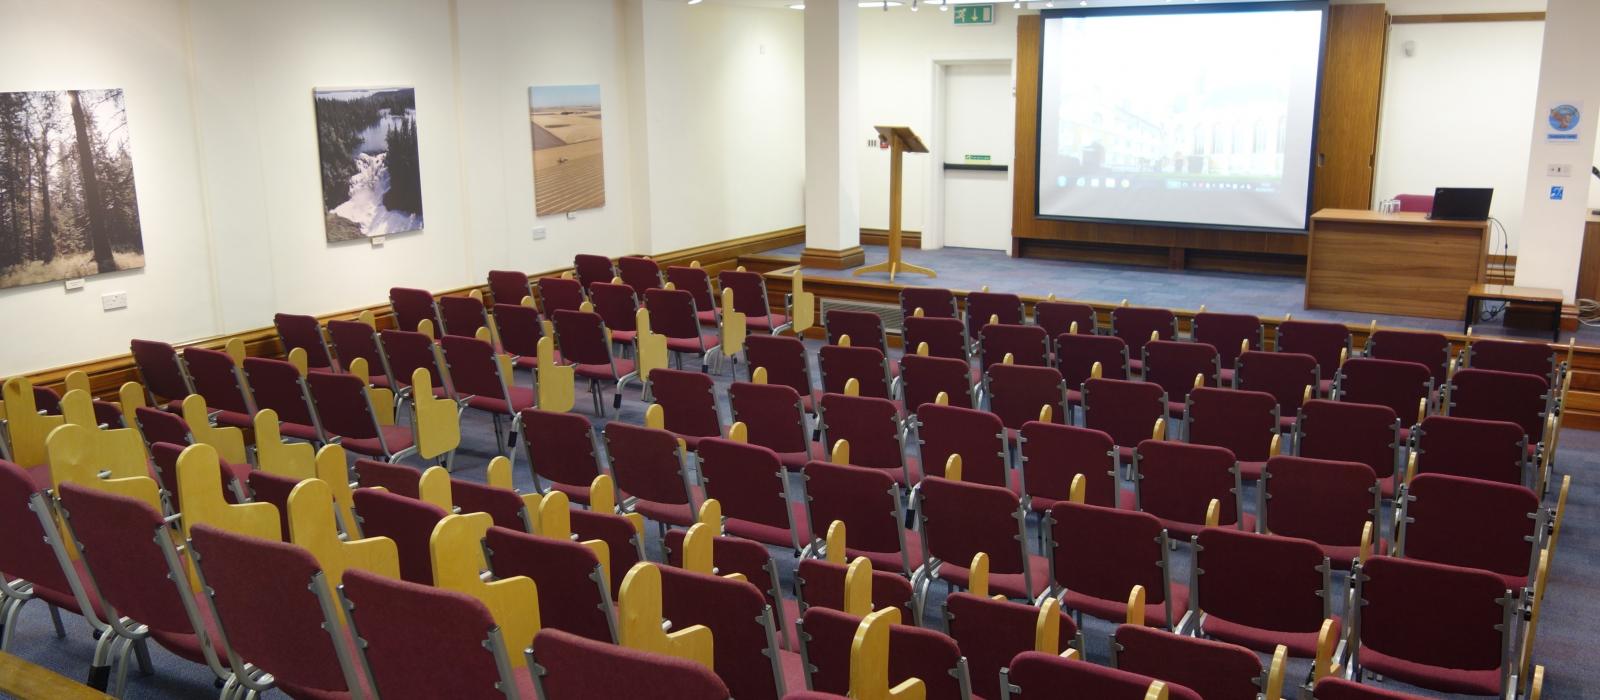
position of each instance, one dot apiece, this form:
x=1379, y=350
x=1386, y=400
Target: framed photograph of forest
x=568, y=158
x=67, y=203
x=367, y=146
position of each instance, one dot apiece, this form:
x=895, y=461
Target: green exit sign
x=974, y=14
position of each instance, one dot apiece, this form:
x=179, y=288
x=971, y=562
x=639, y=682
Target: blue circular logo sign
x=1564, y=117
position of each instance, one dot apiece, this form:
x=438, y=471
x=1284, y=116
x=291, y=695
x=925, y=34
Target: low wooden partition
x=107, y=374
x=1583, y=401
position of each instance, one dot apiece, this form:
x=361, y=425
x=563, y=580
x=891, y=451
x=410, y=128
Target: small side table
x=1532, y=296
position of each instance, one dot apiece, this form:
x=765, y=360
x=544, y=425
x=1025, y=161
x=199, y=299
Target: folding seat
x=750, y=298
x=275, y=611
x=868, y=366
x=944, y=337
x=694, y=280
x=930, y=657
x=507, y=507
x=565, y=571
x=519, y=331
x=689, y=404
x=345, y=410
x=1351, y=432
x=985, y=305
x=639, y=272
x=164, y=462
x=481, y=377
x=1017, y=393
x=868, y=502
x=752, y=487
x=591, y=269
x=581, y=335
x=462, y=315
x=1431, y=350
x=1173, y=366
x=958, y=520
x=304, y=332
x=397, y=479
x=1213, y=669
x=1336, y=688
x=784, y=359
x=1332, y=503
x=672, y=314
x=459, y=630
x=1261, y=591
x=1228, y=333
x=1441, y=627
x=413, y=306
x=622, y=534
x=407, y=352
x=560, y=294
x=408, y=521
x=1537, y=359
x=1285, y=375
x=935, y=302
x=161, y=374
x=217, y=378
x=1057, y=317
x=991, y=631
x=1489, y=394
x=1125, y=410
x=1492, y=450
x=568, y=667
x=865, y=329
x=37, y=564
x=871, y=426
x=1052, y=454
x=617, y=305
x=563, y=452
x=1245, y=422
x=1034, y=675
x=648, y=466
x=746, y=653
x=1177, y=482
x=1135, y=325
x=820, y=583
x=509, y=287
x=134, y=569
x=924, y=377
x=157, y=425
x=355, y=340
x=277, y=386
x=774, y=417
x=978, y=436
x=1098, y=554
x=1076, y=355
x=707, y=552
x=1027, y=345
x=1472, y=523
x=1404, y=387
x=1328, y=342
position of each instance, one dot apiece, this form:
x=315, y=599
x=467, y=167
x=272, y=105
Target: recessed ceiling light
x=798, y=6
x=695, y=2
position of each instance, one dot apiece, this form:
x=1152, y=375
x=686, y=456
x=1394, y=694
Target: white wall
x=71, y=44
x=1455, y=113
x=724, y=120
x=898, y=51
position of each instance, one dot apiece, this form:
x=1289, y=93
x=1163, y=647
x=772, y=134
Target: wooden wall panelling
x=1347, y=136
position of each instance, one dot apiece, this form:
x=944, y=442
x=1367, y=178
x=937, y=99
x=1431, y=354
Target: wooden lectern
x=901, y=140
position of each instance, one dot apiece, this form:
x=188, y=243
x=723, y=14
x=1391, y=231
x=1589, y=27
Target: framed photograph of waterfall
x=371, y=177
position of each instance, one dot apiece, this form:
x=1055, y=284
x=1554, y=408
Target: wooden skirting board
x=1583, y=401
x=879, y=236
x=107, y=374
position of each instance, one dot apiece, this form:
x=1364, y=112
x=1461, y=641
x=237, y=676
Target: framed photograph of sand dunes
x=367, y=152
x=568, y=168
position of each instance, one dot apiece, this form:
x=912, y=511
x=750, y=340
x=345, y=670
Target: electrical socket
x=538, y=233
x=111, y=301
x=1558, y=170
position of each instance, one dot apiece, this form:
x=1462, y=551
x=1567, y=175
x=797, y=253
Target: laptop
x=1461, y=203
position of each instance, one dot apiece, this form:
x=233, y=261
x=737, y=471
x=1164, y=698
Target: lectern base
x=894, y=267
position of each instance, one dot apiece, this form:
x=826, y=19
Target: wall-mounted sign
x=977, y=158
x=973, y=14
x=1563, y=118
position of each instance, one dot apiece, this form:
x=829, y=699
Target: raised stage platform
x=1268, y=296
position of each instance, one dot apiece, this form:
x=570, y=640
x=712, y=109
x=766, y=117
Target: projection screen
x=1192, y=115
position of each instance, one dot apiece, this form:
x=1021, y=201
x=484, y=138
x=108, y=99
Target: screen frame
x=1322, y=6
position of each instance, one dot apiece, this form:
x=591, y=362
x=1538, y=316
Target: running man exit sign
x=974, y=14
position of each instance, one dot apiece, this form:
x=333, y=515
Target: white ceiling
x=1029, y=4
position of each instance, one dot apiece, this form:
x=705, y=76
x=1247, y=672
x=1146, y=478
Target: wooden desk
x=1400, y=263
x=1550, y=299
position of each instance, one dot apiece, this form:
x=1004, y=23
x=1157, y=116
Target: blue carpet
x=1566, y=638
x=1262, y=295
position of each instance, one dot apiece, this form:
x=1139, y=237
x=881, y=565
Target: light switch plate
x=1558, y=170
x=538, y=233
x=111, y=301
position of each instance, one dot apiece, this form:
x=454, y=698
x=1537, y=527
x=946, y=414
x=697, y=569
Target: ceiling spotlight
x=696, y=2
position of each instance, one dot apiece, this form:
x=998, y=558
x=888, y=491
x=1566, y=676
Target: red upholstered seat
x=1057, y=317
x=1431, y=350
x=462, y=315
x=559, y=293
x=1433, y=625
x=1101, y=553
x=992, y=632
x=752, y=486
x=1018, y=392
x=1125, y=410
x=738, y=614
x=960, y=519
x=982, y=306
x=1538, y=359
x=1244, y=422
x=820, y=583
x=1472, y=523
x=1177, y=481
x=561, y=452
x=1262, y=590
x=412, y=306
x=935, y=302
x=1227, y=333
x=1397, y=384
x=1353, y=432
x=407, y=521
x=750, y=298
x=646, y=464
x=509, y=286
x=591, y=269
x=978, y=436
x=868, y=502
x=946, y=336
x=563, y=571
x=1324, y=501
x=1037, y=676
x=1134, y=325
x=871, y=425
x=1321, y=340
x=1173, y=365
x=914, y=653
x=575, y=668
x=1211, y=668
x=1492, y=450
x=1027, y=345
x=1336, y=688
x=688, y=404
